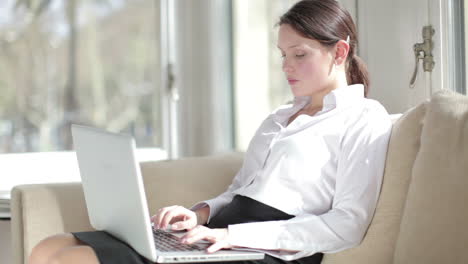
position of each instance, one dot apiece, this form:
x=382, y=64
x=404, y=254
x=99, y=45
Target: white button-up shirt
x=324, y=169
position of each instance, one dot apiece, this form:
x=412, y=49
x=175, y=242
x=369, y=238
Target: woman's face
x=307, y=64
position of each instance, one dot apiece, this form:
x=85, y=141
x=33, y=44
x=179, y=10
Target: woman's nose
x=287, y=66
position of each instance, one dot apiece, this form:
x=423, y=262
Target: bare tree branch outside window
x=92, y=62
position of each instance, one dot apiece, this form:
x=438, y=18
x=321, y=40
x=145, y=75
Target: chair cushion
x=379, y=243
x=434, y=224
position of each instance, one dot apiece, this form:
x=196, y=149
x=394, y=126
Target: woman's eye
x=297, y=55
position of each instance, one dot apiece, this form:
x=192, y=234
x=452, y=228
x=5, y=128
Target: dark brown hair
x=328, y=22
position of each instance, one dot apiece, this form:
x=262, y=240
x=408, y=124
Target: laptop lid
x=113, y=187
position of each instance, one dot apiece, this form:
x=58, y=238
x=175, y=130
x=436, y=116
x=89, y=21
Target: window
x=75, y=61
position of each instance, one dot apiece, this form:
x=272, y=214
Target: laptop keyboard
x=167, y=242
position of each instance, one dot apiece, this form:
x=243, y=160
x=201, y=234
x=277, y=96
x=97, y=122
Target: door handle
x=424, y=51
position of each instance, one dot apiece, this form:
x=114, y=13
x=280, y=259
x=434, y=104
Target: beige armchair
x=41, y=210
x=421, y=214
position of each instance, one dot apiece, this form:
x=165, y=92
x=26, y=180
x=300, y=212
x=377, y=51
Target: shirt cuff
x=215, y=205
x=264, y=235
x=198, y=206
x=214, y=208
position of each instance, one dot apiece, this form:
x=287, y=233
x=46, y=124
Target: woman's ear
x=341, y=52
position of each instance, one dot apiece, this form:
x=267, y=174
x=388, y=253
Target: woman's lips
x=292, y=81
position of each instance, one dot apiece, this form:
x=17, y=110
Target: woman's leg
x=62, y=248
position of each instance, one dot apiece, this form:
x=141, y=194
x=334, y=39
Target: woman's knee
x=74, y=255
x=41, y=253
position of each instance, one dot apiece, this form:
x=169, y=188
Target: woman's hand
x=178, y=217
x=181, y=218
x=217, y=236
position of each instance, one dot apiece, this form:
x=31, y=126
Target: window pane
x=92, y=62
x=259, y=82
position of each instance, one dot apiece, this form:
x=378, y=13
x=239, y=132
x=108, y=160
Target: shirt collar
x=344, y=95
x=337, y=98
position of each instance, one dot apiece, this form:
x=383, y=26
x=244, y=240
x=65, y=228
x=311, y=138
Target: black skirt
x=111, y=250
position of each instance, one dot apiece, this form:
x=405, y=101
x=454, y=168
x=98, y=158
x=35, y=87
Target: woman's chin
x=297, y=92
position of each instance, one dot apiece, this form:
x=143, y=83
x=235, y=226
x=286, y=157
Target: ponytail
x=357, y=73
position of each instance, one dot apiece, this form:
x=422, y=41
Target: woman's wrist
x=202, y=215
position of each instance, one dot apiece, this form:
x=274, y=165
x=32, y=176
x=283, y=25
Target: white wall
x=387, y=32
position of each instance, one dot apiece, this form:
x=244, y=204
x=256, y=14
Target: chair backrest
x=378, y=245
x=188, y=181
x=434, y=223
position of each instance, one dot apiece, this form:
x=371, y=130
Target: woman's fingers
x=219, y=237
x=158, y=218
x=186, y=224
x=181, y=218
x=174, y=214
x=218, y=246
x=188, y=220
x=196, y=234
x=171, y=214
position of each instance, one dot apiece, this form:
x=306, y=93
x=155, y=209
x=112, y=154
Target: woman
x=312, y=173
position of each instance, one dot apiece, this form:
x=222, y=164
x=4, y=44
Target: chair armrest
x=40, y=210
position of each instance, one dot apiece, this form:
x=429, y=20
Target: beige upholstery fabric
x=187, y=181
x=379, y=242
x=434, y=224
x=39, y=211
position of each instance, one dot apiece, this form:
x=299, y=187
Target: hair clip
x=347, y=39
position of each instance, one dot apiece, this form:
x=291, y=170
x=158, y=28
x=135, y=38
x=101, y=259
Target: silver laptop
x=116, y=200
